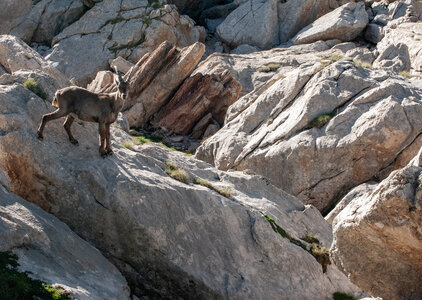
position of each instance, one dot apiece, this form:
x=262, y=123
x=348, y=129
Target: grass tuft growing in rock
x=128, y=145
x=176, y=173
x=342, y=296
x=322, y=255
x=224, y=191
x=18, y=285
x=361, y=64
x=31, y=85
x=406, y=74
x=310, y=238
x=269, y=68
x=320, y=121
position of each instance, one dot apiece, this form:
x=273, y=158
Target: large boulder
x=255, y=22
x=344, y=23
x=320, y=129
x=38, y=21
x=51, y=252
x=198, y=96
x=170, y=239
x=377, y=238
x=395, y=58
x=15, y=55
x=114, y=28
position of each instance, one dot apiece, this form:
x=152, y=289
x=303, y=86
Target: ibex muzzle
x=103, y=108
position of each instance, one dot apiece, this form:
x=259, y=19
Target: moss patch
x=224, y=191
x=342, y=296
x=15, y=285
x=310, y=238
x=320, y=121
x=31, y=85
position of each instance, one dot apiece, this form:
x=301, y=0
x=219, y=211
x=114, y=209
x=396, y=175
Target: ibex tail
x=55, y=102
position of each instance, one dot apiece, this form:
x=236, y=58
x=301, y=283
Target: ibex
x=76, y=102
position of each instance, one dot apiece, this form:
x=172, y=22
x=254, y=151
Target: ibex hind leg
x=47, y=118
x=66, y=125
x=108, y=142
x=102, y=134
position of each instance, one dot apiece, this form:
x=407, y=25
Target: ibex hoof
x=109, y=152
x=74, y=142
x=40, y=136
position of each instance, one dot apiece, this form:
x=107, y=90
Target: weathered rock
x=394, y=58
x=156, y=78
x=15, y=55
x=215, y=15
x=122, y=64
x=193, y=8
x=255, y=22
x=373, y=33
x=244, y=49
x=270, y=132
x=114, y=28
x=197, y=96
x=201, y=126
x=211, y=130
x=48, y=249
x=409, y=34
x=344, y=23
x=362, y=54
x=41, y=21
x=170, y=239
x=377, y=238
x=295, y=15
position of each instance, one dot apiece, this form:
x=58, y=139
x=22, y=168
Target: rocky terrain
x=304, y=118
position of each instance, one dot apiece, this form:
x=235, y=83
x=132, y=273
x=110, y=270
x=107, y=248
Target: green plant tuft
x=31, y=85
x=16, y=285
x=406, y=74
x=174, y=172
x=320, y=121
x=269, y=68
x=342, y=296
x=310, y=238
x=128, y=145
x=224, y=191
x=322, y=255
x=361, y=64
x=147, y=138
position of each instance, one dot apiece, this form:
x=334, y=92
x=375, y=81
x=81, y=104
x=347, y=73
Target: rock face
x=119, y=28
x=38, y=22
x=169, y=239
x=377, y=238
x=15, y=55
x=54, y=254
x=344, y=23
x=254, y=22
x=198, y=96
x=370, y=117
x=394, y=58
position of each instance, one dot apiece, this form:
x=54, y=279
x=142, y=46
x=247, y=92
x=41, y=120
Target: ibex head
x=121, y=83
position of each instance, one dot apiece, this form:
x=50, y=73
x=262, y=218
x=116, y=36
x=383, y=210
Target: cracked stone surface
x=119, y=28
x=269, y=131
x=168, y=238
x=378, y=237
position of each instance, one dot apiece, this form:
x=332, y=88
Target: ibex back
x=75, y=102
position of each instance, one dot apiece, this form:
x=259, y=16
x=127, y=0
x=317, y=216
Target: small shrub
x=31, y=85
x=174, y=172
x=406, y=74
x=269, y=68
x=18, y=285
x=361, y=64
x=310, y=238
x=342, y=296
x=320, y=121
x=224, y=191
x=146, y=21
x=128, y=145
x=322, y=255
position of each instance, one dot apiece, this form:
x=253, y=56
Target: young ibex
x=75, y=102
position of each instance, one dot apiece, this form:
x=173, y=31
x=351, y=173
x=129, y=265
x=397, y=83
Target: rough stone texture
x=295, y=15
x=244, y=49
x=122, y=64
x=168, y=238
x=344, y=23
x=48, y=249
x=199, y=95
x=362, y=54
x=39, y=22
x=395, y=58
x=156, y=78
x=193, y=8
x=377, y=238
x=254, y=22
x=16, y=55
x=373, y=33
x=409, y=34
x=268, y=131
x=118, y=28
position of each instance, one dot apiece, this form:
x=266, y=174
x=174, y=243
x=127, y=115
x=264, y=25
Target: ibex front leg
x=66, y=125
x=102, y=133
x=47, y=118
x=108, y=141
